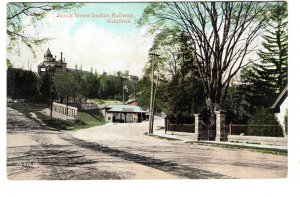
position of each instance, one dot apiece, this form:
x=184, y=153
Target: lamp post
x=151, y=108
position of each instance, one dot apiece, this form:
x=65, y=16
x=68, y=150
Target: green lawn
x=106, y=101
x=84, y=119
x=89, y=119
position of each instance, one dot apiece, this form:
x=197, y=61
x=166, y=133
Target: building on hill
x=50, y=62
x=132, y=102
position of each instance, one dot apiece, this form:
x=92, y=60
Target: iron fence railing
x=257, y=130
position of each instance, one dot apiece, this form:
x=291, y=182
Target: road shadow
x=166, y=166
x=56, y=162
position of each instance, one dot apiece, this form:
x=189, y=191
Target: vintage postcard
x=147, y=90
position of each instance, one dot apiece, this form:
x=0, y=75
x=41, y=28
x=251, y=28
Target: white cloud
x=90, y=45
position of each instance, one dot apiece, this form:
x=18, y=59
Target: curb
x=245, y=146
x=163, y=136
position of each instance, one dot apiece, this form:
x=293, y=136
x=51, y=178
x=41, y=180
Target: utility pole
x=50, y=70
x=123, y=94
x=50, y=89
x=151, y=110
x=124, y=88
x=153, y=102
x=154, y=96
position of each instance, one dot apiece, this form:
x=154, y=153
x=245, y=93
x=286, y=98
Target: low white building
x=123, y=113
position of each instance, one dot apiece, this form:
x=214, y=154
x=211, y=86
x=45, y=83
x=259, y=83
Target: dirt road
x=190, y=161
x=35, y=153
x=122, y=151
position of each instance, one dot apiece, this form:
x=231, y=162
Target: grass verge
x=256, y=149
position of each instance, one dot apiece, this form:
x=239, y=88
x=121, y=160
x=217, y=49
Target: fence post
x=230, y=128
x=220, y=125
x=166, y=125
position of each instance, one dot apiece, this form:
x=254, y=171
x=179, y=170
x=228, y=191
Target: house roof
x=131, y=100
x=48, y=52
x=125, y=108
x=280, y=99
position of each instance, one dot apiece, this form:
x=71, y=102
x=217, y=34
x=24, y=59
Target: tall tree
x=90, y=86
x=168, y=43
x=23, y=84
x=222, y=35
x=65, y=85
x=268, y=78
x=142, y=94
x=176, y=71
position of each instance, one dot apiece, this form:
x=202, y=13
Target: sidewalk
x=190, y=138
x=183, y=136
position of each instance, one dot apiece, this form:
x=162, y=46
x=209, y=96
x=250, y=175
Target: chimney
x=64, y=60
x=61, y=57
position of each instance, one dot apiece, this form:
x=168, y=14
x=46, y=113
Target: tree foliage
x=22, y=84
x=265, y=123
x=266, y=79
x=111, y=87
x=222, y=36
x=87, y=85
x=178, y=81
x=65, y=84
x=236, y=105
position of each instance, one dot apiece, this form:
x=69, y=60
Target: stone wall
x=277, y=141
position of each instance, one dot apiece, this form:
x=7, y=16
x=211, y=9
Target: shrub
x=264, y=123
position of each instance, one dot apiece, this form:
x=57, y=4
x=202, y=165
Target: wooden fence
x=63, y=109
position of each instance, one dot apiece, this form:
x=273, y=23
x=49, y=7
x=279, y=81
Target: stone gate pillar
x=220, y=125
x=198, y=126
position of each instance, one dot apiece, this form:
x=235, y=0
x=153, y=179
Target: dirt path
x=34, y=153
